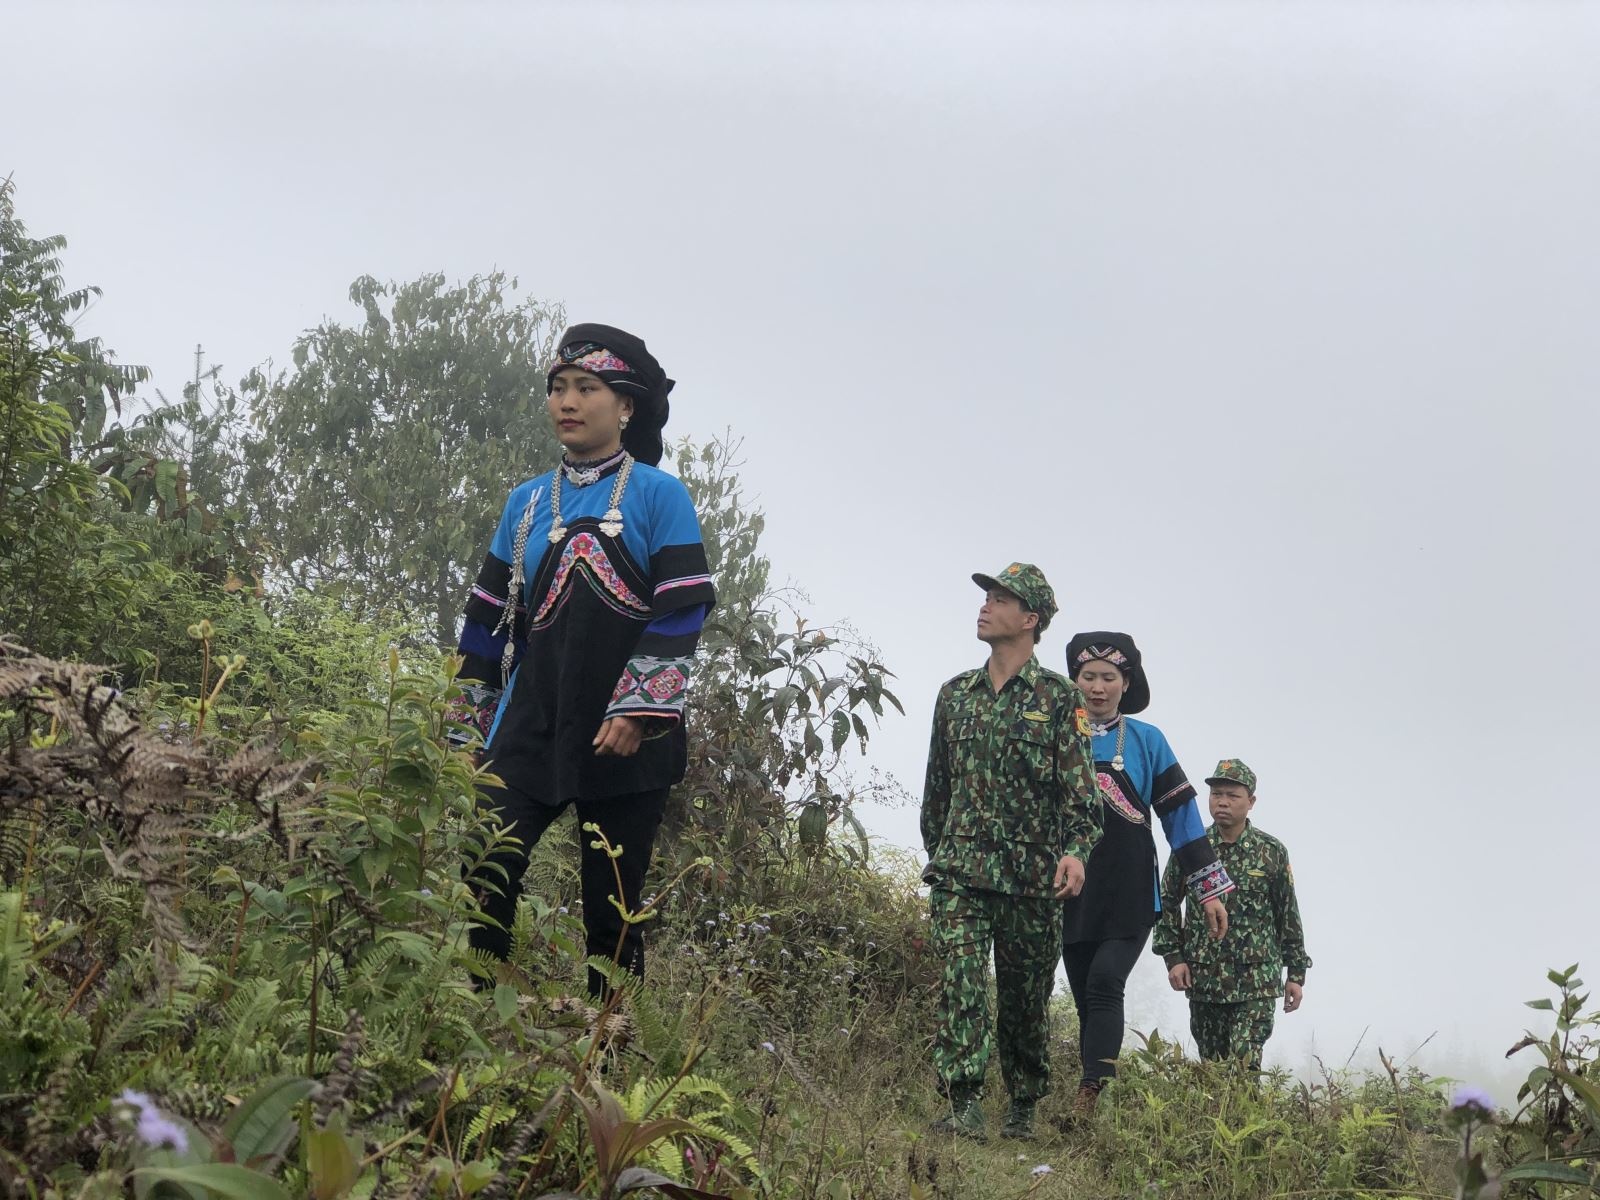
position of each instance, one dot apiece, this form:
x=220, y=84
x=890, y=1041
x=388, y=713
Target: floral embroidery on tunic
x=584, y=551
x=651, y=687
x=1119, y=803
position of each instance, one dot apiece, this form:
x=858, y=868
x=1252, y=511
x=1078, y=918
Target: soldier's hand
x=620, y=736
x=1292, y=996
x=1216, y=918
x=1069, y=878
x=1179, y=978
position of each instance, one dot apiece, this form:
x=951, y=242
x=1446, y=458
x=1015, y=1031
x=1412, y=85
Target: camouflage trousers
x=1024, y=934
x=1232, y=1031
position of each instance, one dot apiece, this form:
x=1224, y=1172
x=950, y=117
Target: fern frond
x=487, y=1119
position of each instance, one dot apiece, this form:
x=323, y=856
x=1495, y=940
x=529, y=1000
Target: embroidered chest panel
x=605, y=569
x=1117, y=800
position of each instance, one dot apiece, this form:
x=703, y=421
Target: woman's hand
x=619, y=736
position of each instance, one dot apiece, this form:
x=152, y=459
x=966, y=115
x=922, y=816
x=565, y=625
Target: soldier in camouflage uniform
x=1234, y=984
x=1009, y=815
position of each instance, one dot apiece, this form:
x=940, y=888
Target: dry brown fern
x=140, y=793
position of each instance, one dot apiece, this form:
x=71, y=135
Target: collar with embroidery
x=1096, y=728
x=582, y=474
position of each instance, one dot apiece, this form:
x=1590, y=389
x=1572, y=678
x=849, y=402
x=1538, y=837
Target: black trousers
x=1097, y=973
x=627, y=821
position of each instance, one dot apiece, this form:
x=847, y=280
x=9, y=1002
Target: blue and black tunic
x=1121, y=896
x=605, y=625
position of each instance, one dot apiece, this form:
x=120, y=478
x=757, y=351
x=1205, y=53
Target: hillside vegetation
x=233, y=960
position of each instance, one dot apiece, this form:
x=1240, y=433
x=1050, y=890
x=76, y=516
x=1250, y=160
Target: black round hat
x=621, y=359
x=1119, y=650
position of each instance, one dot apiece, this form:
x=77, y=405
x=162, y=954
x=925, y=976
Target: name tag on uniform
x=1035, y=716
x=1257, y=874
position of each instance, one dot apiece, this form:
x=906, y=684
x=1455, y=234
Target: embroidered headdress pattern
x=1108, y=654
x=588, y=356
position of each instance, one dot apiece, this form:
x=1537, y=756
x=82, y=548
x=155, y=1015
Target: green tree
x=379, y=462
x=55, y=553
x=105, y=548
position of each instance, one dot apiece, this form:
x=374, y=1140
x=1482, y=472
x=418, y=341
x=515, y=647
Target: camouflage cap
x=1028, y=584
x=1233, y=770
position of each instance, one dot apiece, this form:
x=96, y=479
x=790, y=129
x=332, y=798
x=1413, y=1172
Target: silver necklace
x=1122, y=734
x=611, y=523
x=583, y=474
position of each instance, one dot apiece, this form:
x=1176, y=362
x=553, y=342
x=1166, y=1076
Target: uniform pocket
x=1031, y=750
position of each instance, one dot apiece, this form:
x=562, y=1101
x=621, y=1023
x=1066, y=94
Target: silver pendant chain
x=611, y=526
x=519, y=558
x=611, y=523
x=1122, y=735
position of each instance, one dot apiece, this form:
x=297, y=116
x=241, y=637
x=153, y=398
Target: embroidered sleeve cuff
x=475, y=710
x=651, y=687
x=1209, y=882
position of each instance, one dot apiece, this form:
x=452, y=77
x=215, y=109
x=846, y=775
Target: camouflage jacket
x=1264, y=933
x=1011, y=785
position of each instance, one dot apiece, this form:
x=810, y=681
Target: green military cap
x=1233, y=770
x=1028, y=584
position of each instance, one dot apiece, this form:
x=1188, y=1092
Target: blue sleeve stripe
x=1183, y=825
x=479, y=639
x=679, y=622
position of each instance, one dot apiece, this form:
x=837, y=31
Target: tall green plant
x=49, y=377
x=778, y=702
x=1551, y=1144
x=99, y=527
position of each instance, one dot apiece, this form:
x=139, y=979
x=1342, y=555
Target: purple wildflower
x=153, y=1127
x=1041, y=1169
x=1473, y=1098
x=769, y=1047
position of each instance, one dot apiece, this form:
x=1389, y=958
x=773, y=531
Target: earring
x=624, y=421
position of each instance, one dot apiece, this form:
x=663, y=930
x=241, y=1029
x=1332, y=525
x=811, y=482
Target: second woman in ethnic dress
x=1104, y=929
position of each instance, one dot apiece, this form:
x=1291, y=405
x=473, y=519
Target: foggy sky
x=1267, y=330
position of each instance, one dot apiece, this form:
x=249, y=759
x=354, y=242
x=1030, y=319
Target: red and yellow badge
x=1082, y=714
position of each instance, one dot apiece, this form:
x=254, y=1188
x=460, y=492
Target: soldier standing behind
x=1234, y=984
x=1009, y=815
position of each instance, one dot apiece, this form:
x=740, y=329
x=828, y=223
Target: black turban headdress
x=1118, y=650
x=621, y=359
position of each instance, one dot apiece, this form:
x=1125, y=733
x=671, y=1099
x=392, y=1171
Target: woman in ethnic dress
x=1105, y=927
x=588, y=610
